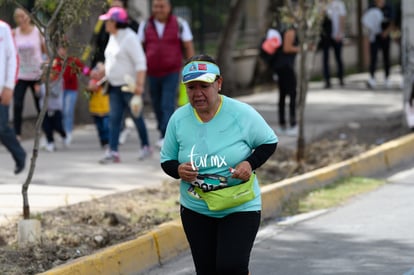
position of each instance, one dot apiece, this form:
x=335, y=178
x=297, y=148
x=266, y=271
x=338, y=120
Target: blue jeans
x=8, y=137
x=119, y=102
x=69, y=102
x=102, y=126
x=163, y=92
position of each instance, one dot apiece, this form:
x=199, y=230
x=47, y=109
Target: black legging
x=51, y=123
x=18, y=102
x=337, y=47
x=287, y=87
x=221, y=246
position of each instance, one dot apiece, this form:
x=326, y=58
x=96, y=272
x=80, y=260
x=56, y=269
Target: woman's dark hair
x=121, y=25
x=125, y=3
x=201, y=57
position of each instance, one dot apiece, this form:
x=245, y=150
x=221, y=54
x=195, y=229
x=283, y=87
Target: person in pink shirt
x=30, y=47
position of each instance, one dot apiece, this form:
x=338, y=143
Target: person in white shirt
x=334, y=24
x=124, y=62
x=8, y=70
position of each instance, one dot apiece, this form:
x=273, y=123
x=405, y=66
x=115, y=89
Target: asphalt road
x=371, y=234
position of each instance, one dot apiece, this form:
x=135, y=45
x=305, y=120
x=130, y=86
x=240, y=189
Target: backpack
x=326, y=30
x=269, y=46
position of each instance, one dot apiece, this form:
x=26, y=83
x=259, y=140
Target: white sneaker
x=50, y=147
x=401, y=84
x=160, y=143
x=281, y=130
x=292, y=131
x=124, y=135
x=42, y=143
x=67, y=140
x=371, y=83
x=110, y=157
x=145, y=152
x=387, y=83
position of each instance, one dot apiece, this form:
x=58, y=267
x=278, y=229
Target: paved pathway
x=71, y=175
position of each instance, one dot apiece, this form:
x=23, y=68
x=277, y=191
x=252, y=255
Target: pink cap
x=116, y=14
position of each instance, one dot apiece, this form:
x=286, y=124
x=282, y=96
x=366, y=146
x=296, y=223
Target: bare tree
x=307, y=16
x=61, y=16
x=227, y=44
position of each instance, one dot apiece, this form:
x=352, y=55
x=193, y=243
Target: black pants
x=221, y=245
x=287, y=87
x=53, y=122
x=384, y=45
x=18, y=102
x=337, y=47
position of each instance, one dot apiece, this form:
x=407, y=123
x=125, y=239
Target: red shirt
x=73, y=68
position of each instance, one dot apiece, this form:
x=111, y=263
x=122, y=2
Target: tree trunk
x=52, y=31
x=227, y=42
x=301, y=103
x=303, y=85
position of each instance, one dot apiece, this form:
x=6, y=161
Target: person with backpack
x=166, y=40
x=269, y=46
x=332, y=36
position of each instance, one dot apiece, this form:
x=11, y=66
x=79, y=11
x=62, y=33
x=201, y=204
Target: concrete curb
x=168, y=240
x=379, y=159
x=161, y=244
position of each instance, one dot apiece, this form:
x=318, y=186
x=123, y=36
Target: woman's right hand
x=6, y=96
x=186, y=172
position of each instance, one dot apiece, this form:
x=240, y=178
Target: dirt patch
x=82, y=229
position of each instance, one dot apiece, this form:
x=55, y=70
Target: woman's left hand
x=139, y=89
x=242, y=171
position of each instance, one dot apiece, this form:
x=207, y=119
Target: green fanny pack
x=230, y=196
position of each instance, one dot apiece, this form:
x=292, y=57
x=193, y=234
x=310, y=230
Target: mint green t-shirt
x=215, y=146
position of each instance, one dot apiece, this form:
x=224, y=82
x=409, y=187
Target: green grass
x=330, y=196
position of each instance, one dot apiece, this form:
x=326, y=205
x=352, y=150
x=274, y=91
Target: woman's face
x=62, y=51
x=110, y=26
x=203, y=96
x=380, y=3
x=20, y=17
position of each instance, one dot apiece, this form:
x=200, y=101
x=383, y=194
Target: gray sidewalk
x=71, y=175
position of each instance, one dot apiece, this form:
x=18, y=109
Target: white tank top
x=29, y=51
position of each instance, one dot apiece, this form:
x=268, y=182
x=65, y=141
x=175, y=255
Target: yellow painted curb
x=168, y=240
x=376, y=160
x=151, y=249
